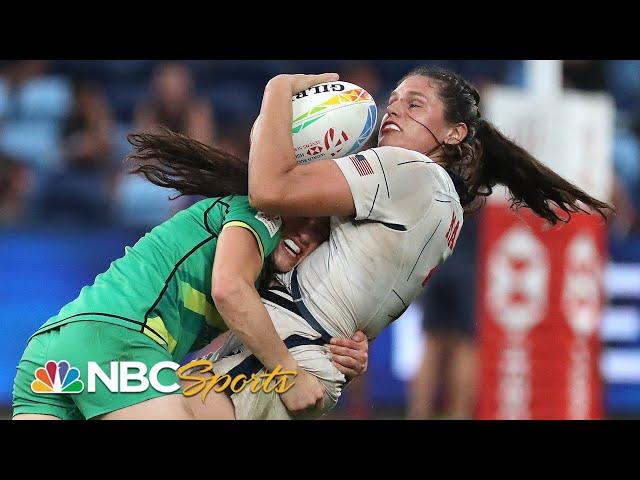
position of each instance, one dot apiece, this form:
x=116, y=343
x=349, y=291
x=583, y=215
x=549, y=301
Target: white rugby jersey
x=408, y=217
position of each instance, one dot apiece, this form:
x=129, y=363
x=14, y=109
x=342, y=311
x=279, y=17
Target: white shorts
x=234, y=358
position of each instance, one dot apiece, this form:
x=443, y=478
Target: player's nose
x=393, y=110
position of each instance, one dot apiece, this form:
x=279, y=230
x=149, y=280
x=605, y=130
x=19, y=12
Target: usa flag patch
x=362, y=165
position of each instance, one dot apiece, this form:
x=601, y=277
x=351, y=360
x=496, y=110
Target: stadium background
x=67, y=208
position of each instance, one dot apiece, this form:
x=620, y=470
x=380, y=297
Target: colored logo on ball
x=57, y=377
x=316, y=113
x=331, y=139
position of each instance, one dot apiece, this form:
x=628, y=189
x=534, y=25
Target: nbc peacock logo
x=57, y=377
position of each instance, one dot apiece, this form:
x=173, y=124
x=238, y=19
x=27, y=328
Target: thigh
x=215, y=406
x=201, y=397
x=207, y=402
x=103, y=343
x=34, y=416
x=317, y=361
x=260, y=405
x=267, y=405
x=166, y=407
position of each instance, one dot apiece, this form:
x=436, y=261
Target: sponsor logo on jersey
x=273, y=223
x=452, y=233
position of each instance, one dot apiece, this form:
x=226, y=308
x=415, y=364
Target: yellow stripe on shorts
x=163, y=336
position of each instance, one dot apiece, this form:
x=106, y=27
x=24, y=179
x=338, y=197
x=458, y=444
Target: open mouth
x=292, y=247
x=390, y=127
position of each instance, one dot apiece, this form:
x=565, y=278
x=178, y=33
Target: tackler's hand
x=350, y=355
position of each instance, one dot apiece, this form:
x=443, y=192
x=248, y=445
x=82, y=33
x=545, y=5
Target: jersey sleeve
x=391, y=185
x=265, y=228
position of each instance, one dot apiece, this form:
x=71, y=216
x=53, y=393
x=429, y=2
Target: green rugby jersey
x=162, y=285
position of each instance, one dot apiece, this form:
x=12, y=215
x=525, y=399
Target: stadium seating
x=33, y=141
x=31, y=118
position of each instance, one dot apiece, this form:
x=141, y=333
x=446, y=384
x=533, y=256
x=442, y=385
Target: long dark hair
x=173, y=160
x=486, y=158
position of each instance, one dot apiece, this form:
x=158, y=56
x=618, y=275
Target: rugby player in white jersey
x=396, y=212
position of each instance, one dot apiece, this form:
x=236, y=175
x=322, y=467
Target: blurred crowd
x=63, y=127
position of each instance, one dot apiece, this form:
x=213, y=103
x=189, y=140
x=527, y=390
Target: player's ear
x=457, y=134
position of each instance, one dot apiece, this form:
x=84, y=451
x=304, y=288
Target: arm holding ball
x=277, y=184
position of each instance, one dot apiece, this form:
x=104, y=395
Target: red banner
x=540, y=304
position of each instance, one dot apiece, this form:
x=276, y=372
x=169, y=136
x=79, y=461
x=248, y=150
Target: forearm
x=277, y=184
x=246, y=316
x=271, y=155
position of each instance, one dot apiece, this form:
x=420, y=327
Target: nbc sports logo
x=57, y=377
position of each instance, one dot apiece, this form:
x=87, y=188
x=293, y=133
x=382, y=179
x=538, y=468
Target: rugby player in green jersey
x=186, y=281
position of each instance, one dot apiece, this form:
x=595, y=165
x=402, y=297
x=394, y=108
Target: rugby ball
x=331, y=120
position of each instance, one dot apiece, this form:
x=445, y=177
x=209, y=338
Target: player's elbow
x=230, y=297
x=226, y=292
x=267, y=198
x=257, y=199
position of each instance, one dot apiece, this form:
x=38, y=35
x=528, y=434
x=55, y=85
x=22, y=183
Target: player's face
x=415, y=100
x=300, y=236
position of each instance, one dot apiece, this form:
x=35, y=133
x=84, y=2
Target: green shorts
x=79, y=343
